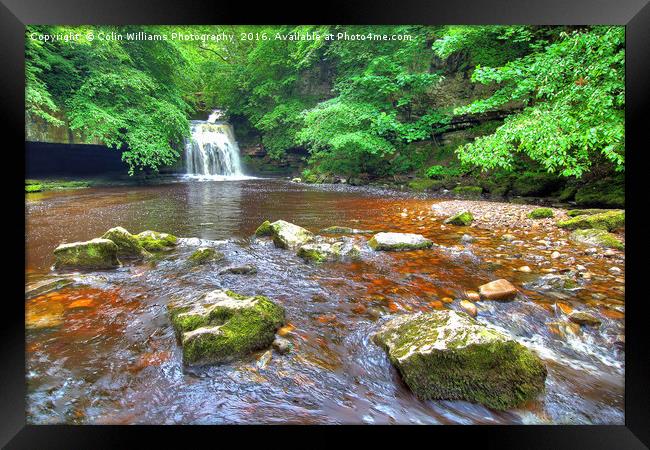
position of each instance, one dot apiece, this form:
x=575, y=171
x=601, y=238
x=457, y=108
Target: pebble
x=282, y=345
x=555, y=255
x=615, y=270
x=469, y=307
x=473, y=296
x=581, y=268
x=524, y=269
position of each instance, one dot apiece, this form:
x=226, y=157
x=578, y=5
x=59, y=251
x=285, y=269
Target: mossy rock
x=531, y=184
x=423, y=185
x=288, y=235
x=264, y=230
x=609, y=221
x=540, y=213
x=597, y=237
x=463, y=218
x=468, y=191
x=33, y=188
x=584, y=212
x=154, y=241
x=128, y=246
x=447, y=355
x=398, y=242
x=608, y=193
x=93, y=254
x=222, y=325
x=323, y=251
x=203, y=255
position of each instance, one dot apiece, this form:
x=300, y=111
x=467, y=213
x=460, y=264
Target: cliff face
x=37, y=130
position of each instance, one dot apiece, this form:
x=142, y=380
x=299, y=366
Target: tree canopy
x=355, y=105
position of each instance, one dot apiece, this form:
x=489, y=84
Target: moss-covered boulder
x=319, y=252
x=596, y=237
x=398, y=241
x=204, y=255
x=344, y=230
x=473, y=192
x=609, y=221
x=154, y=241
x=93, y=254
x=128, y=246
x=447, y=355
x=463, y=218
x=288, y=235
x=540, y=213
x=222, y=325
x=264, y=230
x=423, y=185
x=584, y=212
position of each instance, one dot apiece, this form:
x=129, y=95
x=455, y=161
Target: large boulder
x=608, y=221
x=288, y=235
x=222, y=325
x=319, y=252
x=128, y=245
x=154, y=241
x=93, y=254
x=399, y=241
x=497, y=290
x=204, y=255
x=447, y=355
x=595, y=237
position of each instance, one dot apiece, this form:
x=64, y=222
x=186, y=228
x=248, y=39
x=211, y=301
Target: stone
x=498, y=290
x=46, y=285
x=288, y=235
x=467, y=239
x=94, y=254
x=583, y=318
x=447, y=355
x=555, y=255
x=597, y=237
x=128, y=246
x=322, y=251
x=615, y=270
x=204, y=255
x=608, y=221
x=540, y=213
x=296, y=180
x=524, y=269
x=473, y=296
x=344, y=230
x=222, y=325
x=508, y=237
x=282, y=345
x=154, y=241
x=398, y=241
x=469, y=307
x=246, y=269
x=463, y=218
x=264, y=230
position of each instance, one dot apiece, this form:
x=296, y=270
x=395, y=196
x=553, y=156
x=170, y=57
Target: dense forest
x=475, y=105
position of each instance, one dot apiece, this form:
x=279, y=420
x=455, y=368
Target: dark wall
x=45, y=159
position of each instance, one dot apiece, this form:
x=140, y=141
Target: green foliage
x=437, y=171
x=573, y=92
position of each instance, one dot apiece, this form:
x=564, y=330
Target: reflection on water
x=102, y=349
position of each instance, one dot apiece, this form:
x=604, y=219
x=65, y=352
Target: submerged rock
x=93, y=254
x=246, y=269
x=447, y=355
x=600, y=238
x=498, y=290
x=398, y=241
x=463, y=218
x=344, y=230
x=223, y=325
x=128, y=246
x=42, y=287
x=205, y=254
x=155, y=241
x=608, y=221
x=554, y=282
x=287, y=235
x=583, y=318
x=323, y=251
x=282, y=345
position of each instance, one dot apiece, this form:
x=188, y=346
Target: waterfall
x=212, y=150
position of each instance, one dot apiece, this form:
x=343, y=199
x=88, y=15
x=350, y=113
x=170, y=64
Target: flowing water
x=212, y=150
x=102, y=350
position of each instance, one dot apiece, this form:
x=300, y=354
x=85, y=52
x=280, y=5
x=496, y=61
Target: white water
x=212, y=151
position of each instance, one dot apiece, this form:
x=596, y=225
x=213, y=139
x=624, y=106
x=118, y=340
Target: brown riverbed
x=102, y=350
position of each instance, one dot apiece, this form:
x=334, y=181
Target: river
x=109, y=354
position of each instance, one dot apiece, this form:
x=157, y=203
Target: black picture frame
x=634, y=14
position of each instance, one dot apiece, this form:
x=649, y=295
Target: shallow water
x=102, y=350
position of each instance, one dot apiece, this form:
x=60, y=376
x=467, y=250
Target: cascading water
x=212, y=150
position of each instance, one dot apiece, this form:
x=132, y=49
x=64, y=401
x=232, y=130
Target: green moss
x=468, y=191
x=597, y=237
x=584, y=212
x=204, y=255
x=93, y=254
x=127, y=244
x=567, y=194
x=609, y=193
x=221, y=331
x=54, y=185
x=540, y=213
x=463, y=218
x=610, y=221
x=423, y=185
x=344, y=230
x=264, y=230
x=33, y=188
x=155, y=241
x=531, y=184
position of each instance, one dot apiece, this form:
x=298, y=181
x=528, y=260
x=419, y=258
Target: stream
x=104, y=351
